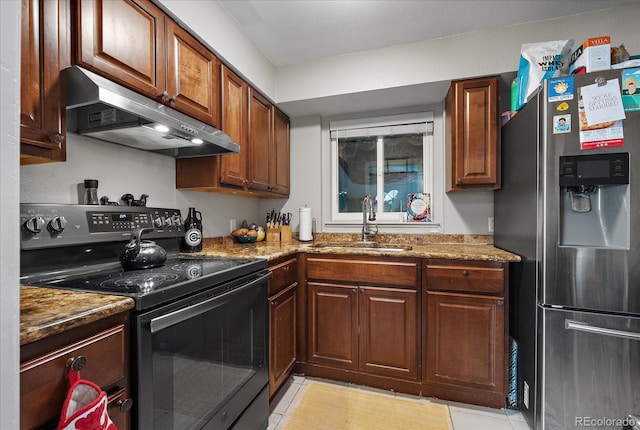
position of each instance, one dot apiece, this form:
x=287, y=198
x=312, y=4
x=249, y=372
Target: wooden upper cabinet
x=193, y=80
x=45, y=48
x=472, y=130
x=235, y=98
x=124, y=40
x=260, y=141
x=281, y=172
x=135, y=44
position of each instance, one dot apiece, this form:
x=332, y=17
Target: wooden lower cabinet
x=466, y=332
x=358, y=327
x=283, y=319
x=44, y=382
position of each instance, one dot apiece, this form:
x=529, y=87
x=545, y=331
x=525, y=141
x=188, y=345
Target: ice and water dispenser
x=594, y=200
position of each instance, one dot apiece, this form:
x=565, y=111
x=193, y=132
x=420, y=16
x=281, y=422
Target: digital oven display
x=121, y=217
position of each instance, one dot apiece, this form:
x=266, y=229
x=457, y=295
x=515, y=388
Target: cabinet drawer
x=44, y=380
x=379, y=272
x=283, y=275
x=487, y=278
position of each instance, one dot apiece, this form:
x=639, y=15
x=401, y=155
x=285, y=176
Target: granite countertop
x=47, y=311
x=458, y=247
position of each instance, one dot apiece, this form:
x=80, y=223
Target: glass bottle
x=192, y=241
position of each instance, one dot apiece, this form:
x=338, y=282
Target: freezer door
x=590, y=369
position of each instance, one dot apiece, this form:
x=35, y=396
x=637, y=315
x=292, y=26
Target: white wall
x=120, y=170
x=475, y=54
x=9, y=234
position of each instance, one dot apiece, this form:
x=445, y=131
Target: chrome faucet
x=368, y=230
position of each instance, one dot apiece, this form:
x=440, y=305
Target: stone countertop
x=444, y=246
x=47, y=311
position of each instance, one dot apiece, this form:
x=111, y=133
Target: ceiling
x=299, y=31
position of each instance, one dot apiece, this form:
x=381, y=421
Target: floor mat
x=330, y=407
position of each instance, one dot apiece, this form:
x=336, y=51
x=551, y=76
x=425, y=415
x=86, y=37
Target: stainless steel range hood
x=113, y=113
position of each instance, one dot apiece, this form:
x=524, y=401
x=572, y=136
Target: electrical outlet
x=490, y=222
x=232, y=224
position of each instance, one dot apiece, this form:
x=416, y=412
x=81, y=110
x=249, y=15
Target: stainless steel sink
x=364, y=246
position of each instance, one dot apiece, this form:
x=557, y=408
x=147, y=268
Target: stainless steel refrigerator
x=570, y=207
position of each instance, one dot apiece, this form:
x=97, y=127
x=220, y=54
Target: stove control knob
x=34, y=224
x=177, y=222
x=158, y=222
x=57, y=224
x=168, y=222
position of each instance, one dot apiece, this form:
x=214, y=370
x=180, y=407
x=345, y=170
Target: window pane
x=357, y=165
x=403, y=169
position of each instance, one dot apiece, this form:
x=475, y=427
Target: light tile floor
x=463, y=416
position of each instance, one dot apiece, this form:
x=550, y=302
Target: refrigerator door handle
x=580, y=326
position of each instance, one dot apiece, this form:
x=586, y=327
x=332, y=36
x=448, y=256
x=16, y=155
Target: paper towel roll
x=305, y=234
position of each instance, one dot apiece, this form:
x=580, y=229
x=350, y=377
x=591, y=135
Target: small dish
x=245, y=239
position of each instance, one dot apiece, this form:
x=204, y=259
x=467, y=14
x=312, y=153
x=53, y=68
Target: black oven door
x=201, y=361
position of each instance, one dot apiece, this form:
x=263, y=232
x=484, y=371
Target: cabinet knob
x=361, y=290
x=500, y=302
x=285, y=268
x=163, y=95
x=56, y=137
x=274, y=303
x=459, y=181
x=172, y=99
x=124, y=405
x=353, y=291
x=465, y=273
x=77, y=363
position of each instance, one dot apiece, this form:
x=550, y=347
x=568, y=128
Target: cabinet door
x=466, y=341
x=260, y=141
x=124, y=40
x=44, y=52
x=233, y=167
x=473, y=129
x=333, y=325
x=281, y=153
x=193, y=81
x=389, y=332
x=282, y=332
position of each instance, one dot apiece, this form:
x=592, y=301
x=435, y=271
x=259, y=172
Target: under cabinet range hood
x=110, y=112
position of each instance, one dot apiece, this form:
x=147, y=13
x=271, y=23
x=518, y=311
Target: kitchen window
x=388, y=158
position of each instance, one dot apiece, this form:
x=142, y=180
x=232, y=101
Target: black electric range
x=77, y=247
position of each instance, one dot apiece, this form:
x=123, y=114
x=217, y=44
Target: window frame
x=429, y=186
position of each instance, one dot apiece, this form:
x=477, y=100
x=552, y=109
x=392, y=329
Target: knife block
x=285, y=233
x=273, y=235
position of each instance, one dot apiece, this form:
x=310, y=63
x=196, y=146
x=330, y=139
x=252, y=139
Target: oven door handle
x=172, y=318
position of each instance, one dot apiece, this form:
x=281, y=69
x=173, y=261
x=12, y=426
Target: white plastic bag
x=540, y=61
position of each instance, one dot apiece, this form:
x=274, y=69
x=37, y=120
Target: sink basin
x=365, y=246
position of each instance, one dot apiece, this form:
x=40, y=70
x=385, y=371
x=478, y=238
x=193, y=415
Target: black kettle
x=142, y=254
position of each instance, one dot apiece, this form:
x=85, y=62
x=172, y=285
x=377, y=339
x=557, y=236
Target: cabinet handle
x=285, y=268
x=77, y=363
x=465, y=273
x=274, y=303
x=124, y=405
x=500, y=302
x=56, y=137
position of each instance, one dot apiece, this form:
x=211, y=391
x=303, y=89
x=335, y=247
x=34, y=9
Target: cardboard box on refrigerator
x=593, y=55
